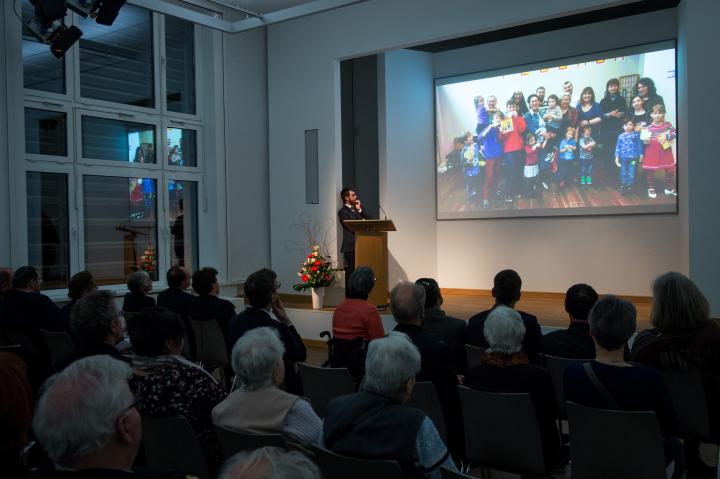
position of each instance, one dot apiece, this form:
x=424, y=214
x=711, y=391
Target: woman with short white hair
x=506, y=369
x=259, y=406
x=139, y=284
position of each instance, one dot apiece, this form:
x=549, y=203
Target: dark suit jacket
x=531, y=342
x=22, y=311
x=176, y=300
x=205, y=308
x=451, y=331
x=349, y=213
x=133, y=302
x=574, y=342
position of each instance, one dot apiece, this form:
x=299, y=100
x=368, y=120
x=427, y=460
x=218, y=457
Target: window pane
x=120, y=217
x=116, y=62
x=184, y=222
x=47, y=220
x=45, y=132
x=41, y=70
x=180, y=66
x=117, y=140
x=182, y=147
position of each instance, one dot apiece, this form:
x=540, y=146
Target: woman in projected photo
x=492, y=150
x=614, y=108
x=589, y=112
x=648, y=92
x=518, y=99
x=139, y=157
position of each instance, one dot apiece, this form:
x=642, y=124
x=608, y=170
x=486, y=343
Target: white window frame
x=201, y=208
x=181, y=125
x=69, y=141
x=197, y=117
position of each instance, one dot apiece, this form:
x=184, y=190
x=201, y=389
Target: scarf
x=502, y=360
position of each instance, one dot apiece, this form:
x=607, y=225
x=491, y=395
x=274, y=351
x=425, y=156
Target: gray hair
x=255, y=355
x=269, y=463
x=361, y=282
x=92, y=316
x=612, y=322
x=678, y=304
x=390, y=362
x=407, y=302
x=504, y=330
x=139, y=282
x=78, y=407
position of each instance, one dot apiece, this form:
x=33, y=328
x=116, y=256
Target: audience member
x=683, y=339
x=87, y=421
x=374, y=423
x=609, y=382
x=16, y=410
x=266, y=309
x=575, y=341
x=80, y=284
x=354, y=323
x=451, y=331
x=169, y=384
x=506, y=291
x=174, y=297
x=506, y=369
x=24, y=308
x=140, y=284
x=207, y=305
x=259, y=406
x=96, y=327
x=269, y=463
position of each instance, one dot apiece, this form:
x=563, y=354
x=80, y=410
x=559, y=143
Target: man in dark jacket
x=174, y=297
x=574, y=342
x=24, y=308
x=351, y=210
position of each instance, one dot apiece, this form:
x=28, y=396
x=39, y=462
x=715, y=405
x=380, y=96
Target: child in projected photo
x=566, y=157
x=586, y=145
x=492, y=150
x=532, y=171
x=658, y=152
x=471, y=166
x=628, y=153
x=482, y=114
x=639, y=116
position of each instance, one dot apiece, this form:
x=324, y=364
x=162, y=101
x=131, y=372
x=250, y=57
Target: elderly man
x=24, y=308
x=87, y=422
x=269, y=463
x=174, y=297
x=374, y=423
x=140, y=284
x=259, y=406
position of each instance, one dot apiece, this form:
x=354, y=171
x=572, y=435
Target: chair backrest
x=232, y=442
x=688, y=396
x=28, y=341
x=334, y=465
x=425, y=397
x=171, y=443
x=59, y=344
x=321, y=385
x=556, y=367
x=473, y=355
x=501, y=431
x=449, y=474
x=210, y=344
x=607, y=443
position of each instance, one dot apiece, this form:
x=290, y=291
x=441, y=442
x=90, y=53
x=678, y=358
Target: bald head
x=407, y=301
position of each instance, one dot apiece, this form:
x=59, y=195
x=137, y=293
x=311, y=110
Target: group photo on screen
x=593, y=137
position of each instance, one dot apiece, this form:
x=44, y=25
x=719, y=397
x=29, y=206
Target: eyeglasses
x=278, y=284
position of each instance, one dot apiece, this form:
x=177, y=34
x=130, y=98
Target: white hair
x=504, y=330
x=78, y=407
x=269, y=463
x=390, y=362
x=255, y=355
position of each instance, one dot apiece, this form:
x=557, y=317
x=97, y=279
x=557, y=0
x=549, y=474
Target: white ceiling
x=263, y=6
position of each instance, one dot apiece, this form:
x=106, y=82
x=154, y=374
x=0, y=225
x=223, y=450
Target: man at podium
x=351, y=210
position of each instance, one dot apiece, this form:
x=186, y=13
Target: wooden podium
x=371, y=250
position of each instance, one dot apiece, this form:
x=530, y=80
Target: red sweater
x=512, y=141
x=530, y=155
x=356, y=318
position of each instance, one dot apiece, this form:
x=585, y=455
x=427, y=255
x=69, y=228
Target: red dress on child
x=656, y=157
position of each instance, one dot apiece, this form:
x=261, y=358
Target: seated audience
x=451, y=331
x=684, y=338
x=96, y=327
x=506, y=291
x=270, y=463
x=80, y=284
x=355, y=322
x=266, y=309
x=24, y=308
x=506, y=369
x=609, y=382
x=259, y=406
x=575, y=341
x=87, y=422
x=174, y=297
x=374, y=423
x=139, y=284
x=16, y=410
x=207, y=306
x=169, y=384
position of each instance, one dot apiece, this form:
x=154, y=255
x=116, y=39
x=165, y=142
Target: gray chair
x=334, y=465
x=210, y=348
x=232, y=442
x=618, y=444
x=474, y=355
x=321, y=385
x=448, y=474
x=688, y=396
x=171, y=443
x=425, y=397
x=59, y=345
x=502, y=432
x=556, y=367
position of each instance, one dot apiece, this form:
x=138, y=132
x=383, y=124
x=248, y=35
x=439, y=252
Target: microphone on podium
x=381, y=209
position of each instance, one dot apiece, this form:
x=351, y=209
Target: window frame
x=197, y=117
x=201, y=209
x=181, y=125
x=69, y=121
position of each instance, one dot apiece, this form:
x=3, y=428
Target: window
x=117, y=140
x=180, y=65
x=41, y=70
x=45, y=132
x=182, y=147
x=183, y=222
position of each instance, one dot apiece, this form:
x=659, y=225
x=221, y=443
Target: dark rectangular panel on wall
x=312, y=179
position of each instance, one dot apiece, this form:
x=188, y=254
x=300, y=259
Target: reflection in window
x=182, y=147
x=184, y=223
x=116, y=62
x=45, y=132
x=117, y=140
x=180, y=67
x=120, y=217
x=47, y=222
x=41, y=70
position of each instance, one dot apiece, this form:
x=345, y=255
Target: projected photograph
x=575, y=138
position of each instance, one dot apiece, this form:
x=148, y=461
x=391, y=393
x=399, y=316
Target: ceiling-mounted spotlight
x=48, y=11
x=65, y=40
x=44, y=33
x=84, y=8
x=108, y=11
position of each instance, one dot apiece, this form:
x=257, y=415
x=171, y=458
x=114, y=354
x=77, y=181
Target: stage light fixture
x=108, y=11
x=84, y=8
x=48, y=11
x=65, y=40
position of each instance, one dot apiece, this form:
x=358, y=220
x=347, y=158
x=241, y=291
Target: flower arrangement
x=147, y=260
x=316, y=271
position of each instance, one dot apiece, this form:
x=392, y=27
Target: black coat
x=349, y=213
x=176, y=300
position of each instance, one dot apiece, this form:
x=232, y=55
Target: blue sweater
x=629, y=145
x=569, y=154
x=491, y=144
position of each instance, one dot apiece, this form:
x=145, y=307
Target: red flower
x=317, y=262
x=310, y=256
x=304, y=278
x=326, y=277
x=314, y=268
